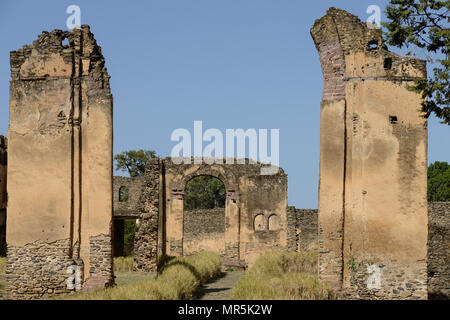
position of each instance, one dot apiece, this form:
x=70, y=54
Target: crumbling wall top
x=3, y=142
x=350, y=49
x=48, y=56
x=345, y=27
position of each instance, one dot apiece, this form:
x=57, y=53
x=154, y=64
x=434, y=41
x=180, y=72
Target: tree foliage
x=128, y=237
x=204, y=192
x=424, y=24
x=134, y=161
x=439, y=181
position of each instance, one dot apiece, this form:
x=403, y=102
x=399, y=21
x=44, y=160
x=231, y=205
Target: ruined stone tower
x=59, y=167
x=3, y=194
x=373, y=164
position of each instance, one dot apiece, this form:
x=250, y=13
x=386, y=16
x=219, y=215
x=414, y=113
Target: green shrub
x=129, y=226
x=282, y=275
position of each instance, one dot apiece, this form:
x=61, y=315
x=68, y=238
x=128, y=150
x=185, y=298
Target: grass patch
x=178, y=279
x=2, y=275
x=2, y=266
x=123, y=264
x=282, y=276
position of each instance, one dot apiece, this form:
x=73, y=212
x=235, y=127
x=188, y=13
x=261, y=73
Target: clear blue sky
x=232, y=64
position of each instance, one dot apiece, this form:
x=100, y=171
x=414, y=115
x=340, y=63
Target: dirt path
x=221, y=288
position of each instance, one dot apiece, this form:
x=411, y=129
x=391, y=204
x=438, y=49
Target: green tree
x=129, y=226
x=134, y=161
x=439, y=181
x=424, y=24
x=204, y=192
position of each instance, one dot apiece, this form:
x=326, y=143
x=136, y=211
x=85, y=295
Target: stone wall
x=252, y=195
x=204, y=230
x=302, y=229
x=439, y=250
x=129, y=208
x=59, y=166
x=373, y=164
x=3, y=193
x=147, y=239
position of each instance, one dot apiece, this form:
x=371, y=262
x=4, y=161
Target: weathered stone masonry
x=302, y=229
x=251, y=197
x=302, y=233
x=149, y=231
x=439, y=250
x=59, y=166
x=129, y=209
x=373, y=164
x=3, y=193
x=204, y=230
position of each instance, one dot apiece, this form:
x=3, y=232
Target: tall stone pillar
x=145, y=253
x=3, y=193
x=60, y=167
x=373, y=164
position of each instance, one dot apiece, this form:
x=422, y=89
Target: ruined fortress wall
x=3, y=193
x=250, y=198
x=439, y=250
x=302, y=229
x=204, y=230
x=148, y=238
x=263, y=201
x=372, y=195
x=125, y=209
x=59, y=165
x=129, y=208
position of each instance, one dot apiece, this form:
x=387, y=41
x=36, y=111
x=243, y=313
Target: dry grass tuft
x=123, y=264
x=2, y=274
x=282, y=276
x=2, y=266
x=178, y=279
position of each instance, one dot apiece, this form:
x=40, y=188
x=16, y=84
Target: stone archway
x=174, y=213
x=204, y=215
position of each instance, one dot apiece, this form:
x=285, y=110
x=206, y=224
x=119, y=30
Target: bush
x=282, y=276
x=178, y=279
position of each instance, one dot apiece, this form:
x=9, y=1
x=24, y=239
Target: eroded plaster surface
x=373, y=164
x=250, y=197
x=59, y=165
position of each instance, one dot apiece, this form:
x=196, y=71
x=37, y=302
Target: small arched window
x=274, y=222
x=123, y=194
x=259, y=224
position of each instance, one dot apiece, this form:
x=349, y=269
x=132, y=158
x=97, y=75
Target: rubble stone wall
x=439, y=250
x=302, y=229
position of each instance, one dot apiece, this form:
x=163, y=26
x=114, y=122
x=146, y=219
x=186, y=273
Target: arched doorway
x=204, y=215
